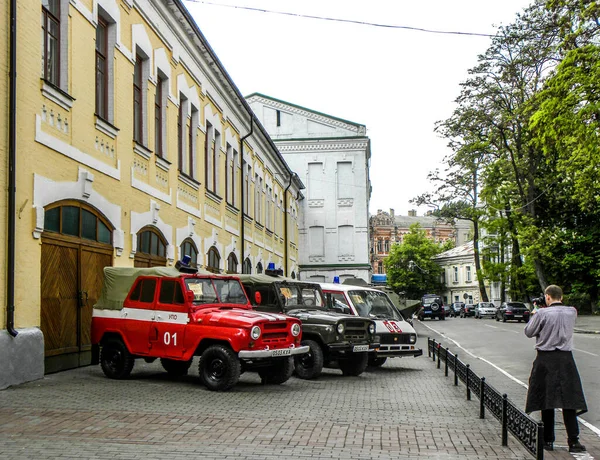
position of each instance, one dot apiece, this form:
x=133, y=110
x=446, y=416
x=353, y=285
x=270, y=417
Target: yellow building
x=131, y=146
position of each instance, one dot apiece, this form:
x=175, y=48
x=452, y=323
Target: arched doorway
x=76, y=246
x=151, y=248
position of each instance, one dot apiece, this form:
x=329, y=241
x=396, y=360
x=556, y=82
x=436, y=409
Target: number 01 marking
x=167, y=338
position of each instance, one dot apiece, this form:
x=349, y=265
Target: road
x=503, y=354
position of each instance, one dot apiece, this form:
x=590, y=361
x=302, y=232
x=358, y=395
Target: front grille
x=394, y=339
x=275, y=332
x=355, y=330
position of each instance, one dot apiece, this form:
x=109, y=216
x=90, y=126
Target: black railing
x=528, y=431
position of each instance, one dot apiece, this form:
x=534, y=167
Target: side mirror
x=189, y=297
x=257, y=298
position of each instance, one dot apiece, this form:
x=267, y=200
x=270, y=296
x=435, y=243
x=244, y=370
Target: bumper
x=275, y=353
x=394, y=353
x=353, y=348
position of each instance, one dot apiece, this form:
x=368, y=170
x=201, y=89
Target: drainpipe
x=285, y=225
x=12, y=177
x=243, y=222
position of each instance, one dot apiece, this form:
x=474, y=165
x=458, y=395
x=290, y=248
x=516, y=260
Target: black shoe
x=548, y=446
x=576, y=446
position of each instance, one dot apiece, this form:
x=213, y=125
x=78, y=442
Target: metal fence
x=527, y=430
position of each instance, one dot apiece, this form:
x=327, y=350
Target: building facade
x=387, y=229
x=131, y=146
x=332, y=157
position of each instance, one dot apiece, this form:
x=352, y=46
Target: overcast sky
x=397, y=82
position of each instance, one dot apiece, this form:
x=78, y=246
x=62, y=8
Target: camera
x=539, y=301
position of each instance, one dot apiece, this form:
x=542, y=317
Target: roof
x=346, y=287
x=260, y=278
x=459, y=251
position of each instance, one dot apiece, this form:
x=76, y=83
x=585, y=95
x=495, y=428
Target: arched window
x=247, y=267
x=188, y=248
x=293, y=275
x=259, y=268
x=77, y=220
x=151, y=248
x=232, y=263
x=214, y=260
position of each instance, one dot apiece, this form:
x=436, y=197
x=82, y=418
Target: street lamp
x=412, y=264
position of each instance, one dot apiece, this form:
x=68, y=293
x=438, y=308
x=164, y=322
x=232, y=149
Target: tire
x=278, y=373
x=355, y=365
x=309, y=365
x=376, y=362
x=115, y=359
x=219, y=368
x=175, y=368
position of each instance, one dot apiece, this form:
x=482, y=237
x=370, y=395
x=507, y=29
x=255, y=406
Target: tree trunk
x=479, y=273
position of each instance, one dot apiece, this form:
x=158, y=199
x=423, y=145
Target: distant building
x=332, y=157
x=387, y=229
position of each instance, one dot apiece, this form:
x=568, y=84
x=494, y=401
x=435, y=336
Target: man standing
x=554, y=382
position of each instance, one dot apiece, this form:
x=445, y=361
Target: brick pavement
x=405, y=410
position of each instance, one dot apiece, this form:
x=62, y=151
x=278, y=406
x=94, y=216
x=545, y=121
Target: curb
x=585, y=331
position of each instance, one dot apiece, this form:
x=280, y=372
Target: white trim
x=49, y=92
x=142, y=314
x=75, y=154
x=106, y=128
x=188, y=208
x=148, y=189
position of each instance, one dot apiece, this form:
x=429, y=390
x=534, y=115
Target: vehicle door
x=140, y=316
x=172, y=316
x=337, y=301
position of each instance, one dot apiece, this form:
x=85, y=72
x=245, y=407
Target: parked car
x=516, y=311
x=164, y=313
x=457, y=308
x=468, y=310
x=485, y=309
x=397, y=337
x=334, y=339
x=432, y=307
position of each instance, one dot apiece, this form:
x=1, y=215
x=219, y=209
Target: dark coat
x=554, y=383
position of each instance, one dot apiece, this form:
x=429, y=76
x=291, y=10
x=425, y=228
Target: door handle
x=83, y=298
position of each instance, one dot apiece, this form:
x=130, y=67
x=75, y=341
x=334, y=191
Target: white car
x=397, y=337
x=485, y=309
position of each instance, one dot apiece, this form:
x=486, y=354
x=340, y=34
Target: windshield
x=294, y=296
x=487, y=305
x=374, y=304
x=516, y=305
x=220, y=291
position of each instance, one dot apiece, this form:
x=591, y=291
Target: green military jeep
x=332, y=337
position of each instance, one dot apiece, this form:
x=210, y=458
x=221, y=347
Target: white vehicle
x=485, y=309
x=397, y=337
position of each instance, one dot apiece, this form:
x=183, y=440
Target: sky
x=395, y=81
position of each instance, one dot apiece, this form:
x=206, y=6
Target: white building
x=332, y=158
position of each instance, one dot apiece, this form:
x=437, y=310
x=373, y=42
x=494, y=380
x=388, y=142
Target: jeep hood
x=233, y=317
x=318, y=316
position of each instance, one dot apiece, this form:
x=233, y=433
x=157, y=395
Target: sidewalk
x=588, y=324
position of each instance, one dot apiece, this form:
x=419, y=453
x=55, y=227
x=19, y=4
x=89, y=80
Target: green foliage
x=410, y=266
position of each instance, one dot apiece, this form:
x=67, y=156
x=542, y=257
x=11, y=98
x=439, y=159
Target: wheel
x=219, y=368
x=376, y=362
x=278, y=373
x=174, y=367
x=309, y=365
x=355, y=365
x=115, y=359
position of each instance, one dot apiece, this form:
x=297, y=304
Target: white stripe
x=587, y=352
x=142, y=314
x=593, y=428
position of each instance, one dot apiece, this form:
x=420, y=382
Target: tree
x=410, y=265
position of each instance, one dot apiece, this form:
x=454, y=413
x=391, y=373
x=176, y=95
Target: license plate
x=282, y=352
x=518, y=316
x=361, y=348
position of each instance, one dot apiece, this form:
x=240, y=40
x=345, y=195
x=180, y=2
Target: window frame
x=138, y=100
x=213, y=256
x=55, y=17
x=158, y=117
x=102, y=55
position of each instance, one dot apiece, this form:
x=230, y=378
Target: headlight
x=255, y=332
x=340, y=328
x=295, y=329
x=371, y=328
x=413, y=338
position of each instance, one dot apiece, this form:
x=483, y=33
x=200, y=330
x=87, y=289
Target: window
x=151, y=248
x=138, y=124
x=346, y=240
x=468, y=268
x=315, y=181
x=159, y=117
x=259, y=268
x=455, y=274
x=77, y=221
x=214, y=260
x=247, y=267
x=232, y=263
x=258, y=199
x=386, y=246
x=102, y=69
x=192, y=142
x=379, y=245
x=316, y=238
x=344, y=180
x=180, y=135
x=170, y=292
x=188, y=248
x=380, y=267
x=51, y=27
x=246, y=203
x=278, y=116
x=269, y=209
x=231, y=175
x=211, y=151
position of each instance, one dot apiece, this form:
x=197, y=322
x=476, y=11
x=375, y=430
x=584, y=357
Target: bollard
x=540, y=441
x=446, y=364
x=482, y=398
x=467, y=383
x=439, y=353
x=455, y=373
x=505, y=420
x=433, y=349
x=429, y=347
